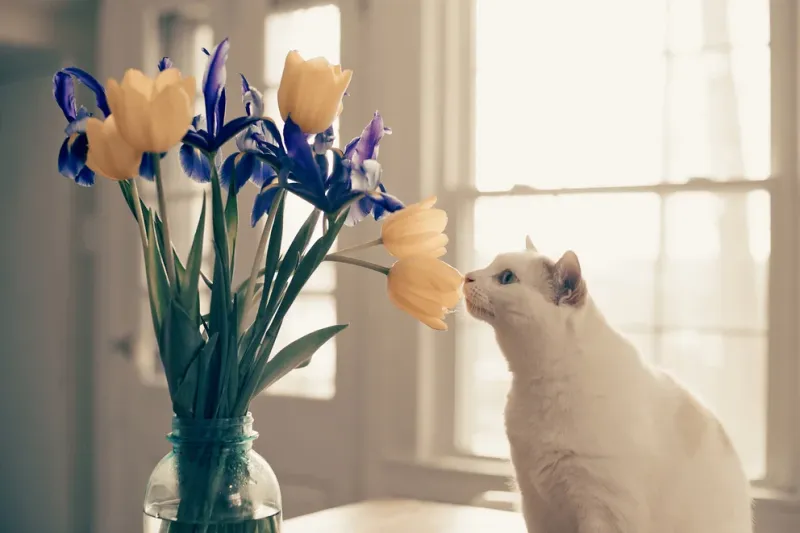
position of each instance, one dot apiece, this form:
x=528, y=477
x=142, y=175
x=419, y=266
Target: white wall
x=45, y=281
x=36, y=314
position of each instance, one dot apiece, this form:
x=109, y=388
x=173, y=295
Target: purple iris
x=361, y=174
x=72, y=155
x=259, y=139
x=207, y=136
x=74, y=149
x=245, y=165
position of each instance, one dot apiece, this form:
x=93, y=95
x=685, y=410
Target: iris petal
x=262, y=204
x=147, y=168
x=304, y=167
x=367, y=145
x=85, y=177
x=231, y=129
x=195, y=164
x=213, y=83
x=93, y=85
x=387, y=203
x=64, y=94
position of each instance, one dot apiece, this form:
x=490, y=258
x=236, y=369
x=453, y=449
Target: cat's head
x=526, y=288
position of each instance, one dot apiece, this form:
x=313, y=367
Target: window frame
x=414, y=435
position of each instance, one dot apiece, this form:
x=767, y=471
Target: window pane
x=715, y=262
x=604, y=101
x=690, y=295
x=317, y=380
x=718, y=121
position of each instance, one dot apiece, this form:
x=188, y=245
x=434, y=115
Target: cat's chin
x=478, y=311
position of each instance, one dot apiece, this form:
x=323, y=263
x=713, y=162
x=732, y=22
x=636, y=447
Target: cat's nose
x=469, y=278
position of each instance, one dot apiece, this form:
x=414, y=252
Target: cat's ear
x=529, y=244
x=569, y=284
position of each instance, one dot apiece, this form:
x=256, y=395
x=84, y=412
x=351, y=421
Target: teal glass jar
x=212, y=481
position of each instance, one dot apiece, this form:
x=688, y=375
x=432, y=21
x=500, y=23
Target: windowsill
x=451, y=465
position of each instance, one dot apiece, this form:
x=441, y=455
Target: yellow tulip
x=311, y=92
x=425, y=288
x=109, y=155
x=153, y=115
x=415, y=230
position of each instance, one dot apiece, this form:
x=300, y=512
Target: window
x=313, y=32
x=640, y=138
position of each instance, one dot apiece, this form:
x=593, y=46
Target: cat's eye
x=506, y=277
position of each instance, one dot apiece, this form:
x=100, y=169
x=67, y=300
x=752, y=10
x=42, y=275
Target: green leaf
x=180, y=344
x=219, y=323
x=157, y=284
x=190, y=278
x=274, y=249
x=294, y=355
x=232, y=225
x=301, y=275
x=184, y=398
x=218, y=223
x=264, y=317
x=259, y=326
x=201, y=400
x=291, y=260
x=127, y=193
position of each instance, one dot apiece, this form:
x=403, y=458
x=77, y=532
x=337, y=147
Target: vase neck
x=218, y=432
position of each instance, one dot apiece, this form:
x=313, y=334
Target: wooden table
x=406, y=516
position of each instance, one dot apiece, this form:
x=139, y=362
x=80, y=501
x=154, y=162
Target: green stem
x=169, y=258
x=262, y=246
x=139, y=215
x=362, y=246
x=336, y=258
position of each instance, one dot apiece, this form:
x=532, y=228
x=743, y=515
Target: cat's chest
x=558, y=417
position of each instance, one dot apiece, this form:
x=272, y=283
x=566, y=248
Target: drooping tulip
x=416, y=230
x=109, y=154
x=311, y=92
x=152, y=115
x=425, y=288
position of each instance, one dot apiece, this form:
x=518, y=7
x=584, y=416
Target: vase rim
x=231, y=430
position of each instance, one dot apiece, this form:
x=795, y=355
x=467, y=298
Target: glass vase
x=212, y=481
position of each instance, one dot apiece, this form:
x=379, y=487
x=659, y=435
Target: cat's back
x=705, y=487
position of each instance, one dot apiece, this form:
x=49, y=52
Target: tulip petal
x=290, y=78
x=170, y=115
x=89, y=81
x=108, y=153
x=64, y=94
x=213, y=82
x=431, y=322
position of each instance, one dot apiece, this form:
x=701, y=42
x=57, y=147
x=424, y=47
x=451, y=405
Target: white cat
x=601, y=442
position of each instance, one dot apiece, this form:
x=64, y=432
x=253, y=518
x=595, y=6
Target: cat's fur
x=601, y=442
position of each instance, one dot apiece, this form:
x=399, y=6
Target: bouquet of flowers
x=217, y=360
